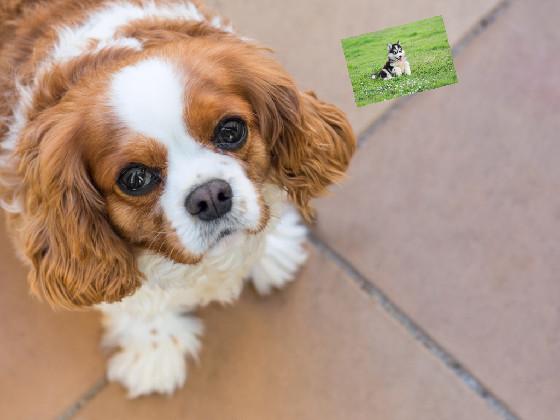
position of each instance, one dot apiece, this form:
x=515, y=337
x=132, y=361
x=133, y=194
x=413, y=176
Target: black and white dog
x=396, y=64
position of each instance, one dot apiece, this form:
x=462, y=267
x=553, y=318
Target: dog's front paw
x=160, y=369
x=153, y=359
x=283, y=255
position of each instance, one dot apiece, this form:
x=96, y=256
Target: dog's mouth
x=223, y=240
x=223, y=234
x=225, y=231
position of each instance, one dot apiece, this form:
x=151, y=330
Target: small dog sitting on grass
x=396, y=64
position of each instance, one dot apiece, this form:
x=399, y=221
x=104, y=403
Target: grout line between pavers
x=371, y=289
x=416, y=330
x=480, y=26
x=87, y=396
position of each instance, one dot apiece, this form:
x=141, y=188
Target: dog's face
x=395, y=51
x=191, y=154
x=167, y=150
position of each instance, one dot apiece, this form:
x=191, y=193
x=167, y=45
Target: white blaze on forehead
x=149, y=98
x=104, y=24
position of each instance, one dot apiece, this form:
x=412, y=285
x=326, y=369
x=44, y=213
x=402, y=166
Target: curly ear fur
x=77, y=258
x=311, y=142
x=315, y=154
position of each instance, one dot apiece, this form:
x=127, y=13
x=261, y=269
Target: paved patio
x=433, y=290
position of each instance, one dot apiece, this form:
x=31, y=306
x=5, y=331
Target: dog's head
x=168, y=150
x=395, y=51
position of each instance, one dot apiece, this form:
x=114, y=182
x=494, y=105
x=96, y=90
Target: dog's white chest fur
x=218, y=277
x=150, y=327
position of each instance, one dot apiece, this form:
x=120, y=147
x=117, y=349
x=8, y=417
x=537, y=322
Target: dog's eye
x=230, y=133
x=137, y=179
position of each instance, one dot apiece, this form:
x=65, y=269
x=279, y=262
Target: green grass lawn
x=427, y=50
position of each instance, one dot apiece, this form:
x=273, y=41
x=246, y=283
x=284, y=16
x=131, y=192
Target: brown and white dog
x=149, y=161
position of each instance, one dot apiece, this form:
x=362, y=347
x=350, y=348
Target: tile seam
x=85, y=398
x=417, y=332
x=473, y=33
x=371, y=289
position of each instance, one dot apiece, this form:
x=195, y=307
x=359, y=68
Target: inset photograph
x=399, y=61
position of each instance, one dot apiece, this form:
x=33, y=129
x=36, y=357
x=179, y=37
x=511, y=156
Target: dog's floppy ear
x=76, y=257
x=311, y=142
x=314, y=153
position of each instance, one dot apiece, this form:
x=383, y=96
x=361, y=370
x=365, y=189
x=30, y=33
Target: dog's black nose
x=210, y=201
